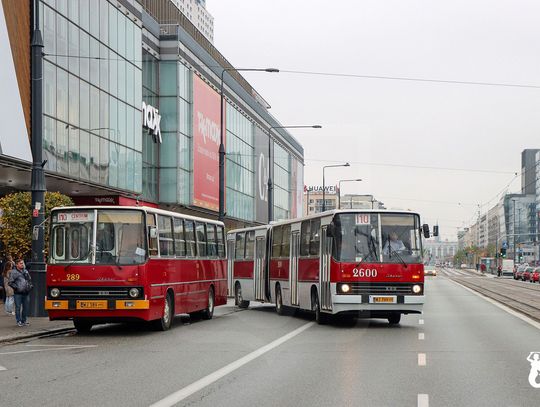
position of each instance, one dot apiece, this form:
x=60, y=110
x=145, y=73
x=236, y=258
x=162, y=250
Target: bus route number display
x=68, y=217
x=363, y=219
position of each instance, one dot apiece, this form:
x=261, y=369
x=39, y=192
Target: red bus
x=364, y=263
x=114, y=263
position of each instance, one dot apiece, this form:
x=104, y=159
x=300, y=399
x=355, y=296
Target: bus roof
x=146, y=209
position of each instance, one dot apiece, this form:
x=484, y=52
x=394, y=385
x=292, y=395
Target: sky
x=445, y=150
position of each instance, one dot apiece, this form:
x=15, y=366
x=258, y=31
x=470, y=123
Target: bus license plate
x=92, y=304
x=382, y=299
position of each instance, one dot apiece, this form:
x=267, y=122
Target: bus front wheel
x=279, y=302
x=164, y=323
x=238, y=299
x=320, y=317
x=394, y=319
x=82, y=326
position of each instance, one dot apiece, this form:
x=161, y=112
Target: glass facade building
x=131, y=109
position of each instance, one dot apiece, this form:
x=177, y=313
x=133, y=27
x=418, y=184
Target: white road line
x=66, y=346
x=501, y=306
x=421, y=321
x=421, y=359
x=421, y=336
x=194, y=387
x=71, y=347
x=2, y=368
x=423, y=400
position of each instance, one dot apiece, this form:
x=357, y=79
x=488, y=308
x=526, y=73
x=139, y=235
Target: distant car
x=430, y=271
x=535, y=275
x=526, y=275
x=518, y=273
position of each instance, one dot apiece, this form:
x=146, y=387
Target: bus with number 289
x=116, y=264
x=363, y=263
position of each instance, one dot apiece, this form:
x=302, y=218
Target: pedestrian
x=21, y=283
x=483, y=268
x=499, y=271
x=9, y=303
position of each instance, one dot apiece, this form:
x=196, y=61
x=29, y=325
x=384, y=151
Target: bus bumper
x=406, y=304
x=65, y=309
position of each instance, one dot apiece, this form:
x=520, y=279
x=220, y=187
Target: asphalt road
x=471, y=353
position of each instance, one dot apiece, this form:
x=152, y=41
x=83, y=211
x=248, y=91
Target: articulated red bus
x=113, y=263
x=348, y=262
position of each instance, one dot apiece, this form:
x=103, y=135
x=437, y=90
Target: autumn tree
x=16, y=220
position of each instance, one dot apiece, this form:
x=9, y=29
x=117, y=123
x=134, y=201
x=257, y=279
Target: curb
x=13, y=338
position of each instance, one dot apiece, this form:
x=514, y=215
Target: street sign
x=505, y=245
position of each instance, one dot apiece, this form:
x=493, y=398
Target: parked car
x=518, y=273
x=526, y=275
x=535, y=276
x=430, y=271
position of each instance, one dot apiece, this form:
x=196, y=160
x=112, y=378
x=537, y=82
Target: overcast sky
x=398, y=123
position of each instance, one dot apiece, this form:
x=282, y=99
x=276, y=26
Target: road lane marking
x=421, y=359
x=421, y=321
x=2, y=368
x=69, y=347
x=423, y=400
x=66, y=346
x=200, y=384
x=509, y=310
x=421, y=336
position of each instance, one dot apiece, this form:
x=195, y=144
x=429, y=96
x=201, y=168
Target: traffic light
x=503, y=252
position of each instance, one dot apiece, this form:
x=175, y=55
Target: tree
x=16, y=221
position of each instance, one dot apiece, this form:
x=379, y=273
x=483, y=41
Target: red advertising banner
x=206, y=139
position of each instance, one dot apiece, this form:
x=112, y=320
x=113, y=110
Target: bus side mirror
x=330, y=230
x=425, y=229
x=153, y=232
x=436, y=230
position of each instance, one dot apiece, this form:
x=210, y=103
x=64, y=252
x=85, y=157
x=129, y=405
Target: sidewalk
x=9, y=331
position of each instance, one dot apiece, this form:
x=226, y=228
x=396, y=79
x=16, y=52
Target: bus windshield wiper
x=392, y=251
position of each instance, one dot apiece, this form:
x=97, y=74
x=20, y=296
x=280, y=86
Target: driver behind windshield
x=393, y=244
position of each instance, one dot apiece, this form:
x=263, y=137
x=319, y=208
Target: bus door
x=259, y=274
x=293, y=267
x=230, y=264
x=324, y=270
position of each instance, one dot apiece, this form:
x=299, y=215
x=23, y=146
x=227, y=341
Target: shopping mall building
x=131, y=111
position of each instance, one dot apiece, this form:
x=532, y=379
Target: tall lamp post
x=221, y=215
x=323, y=182
x=38, y=187
x=270, y=169
x=339, y=189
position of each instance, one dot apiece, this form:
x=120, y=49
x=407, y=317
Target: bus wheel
x=320, y=318
x=82, y=326
x=208, y=313
x=164, y=323
x=279, y=302
x=394, y=319
x=238, y=299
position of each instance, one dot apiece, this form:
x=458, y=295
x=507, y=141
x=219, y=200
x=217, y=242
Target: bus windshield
x=119, y=237
x=375, y=238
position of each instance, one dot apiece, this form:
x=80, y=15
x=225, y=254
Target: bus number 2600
x=364, y=273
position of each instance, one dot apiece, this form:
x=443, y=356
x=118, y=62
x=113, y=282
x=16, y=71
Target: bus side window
x=221, y=242
x=179, y=239
x=190, y=238
x=250, y=245
x=201, y=239
x=276, y=241
x=240, y=246
x=152, y=240
x=166, y=243
x=211, y=235
x=304, y=238
x=314, y=237
x=286, y=241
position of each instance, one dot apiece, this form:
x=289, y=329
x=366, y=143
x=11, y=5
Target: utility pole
x=37, y=269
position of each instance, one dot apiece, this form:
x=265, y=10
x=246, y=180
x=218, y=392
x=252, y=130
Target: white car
x=430, y=271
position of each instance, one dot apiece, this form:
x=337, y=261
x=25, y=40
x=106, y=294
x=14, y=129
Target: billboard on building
x=262, y=168
x=14, y=140
x=299, y=191
x=206, y=140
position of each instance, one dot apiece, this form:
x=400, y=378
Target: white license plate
x=382, y=299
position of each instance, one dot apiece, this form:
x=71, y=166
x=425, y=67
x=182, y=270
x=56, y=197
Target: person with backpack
x=21, y=282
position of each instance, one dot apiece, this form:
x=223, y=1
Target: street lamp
x=221, y=215
x=323, y=182
x=339, y=189
x=270, y=170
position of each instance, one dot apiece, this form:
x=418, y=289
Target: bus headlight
x=345, y=288
x=417, y=289
x=55, y=293
x=134, y=292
